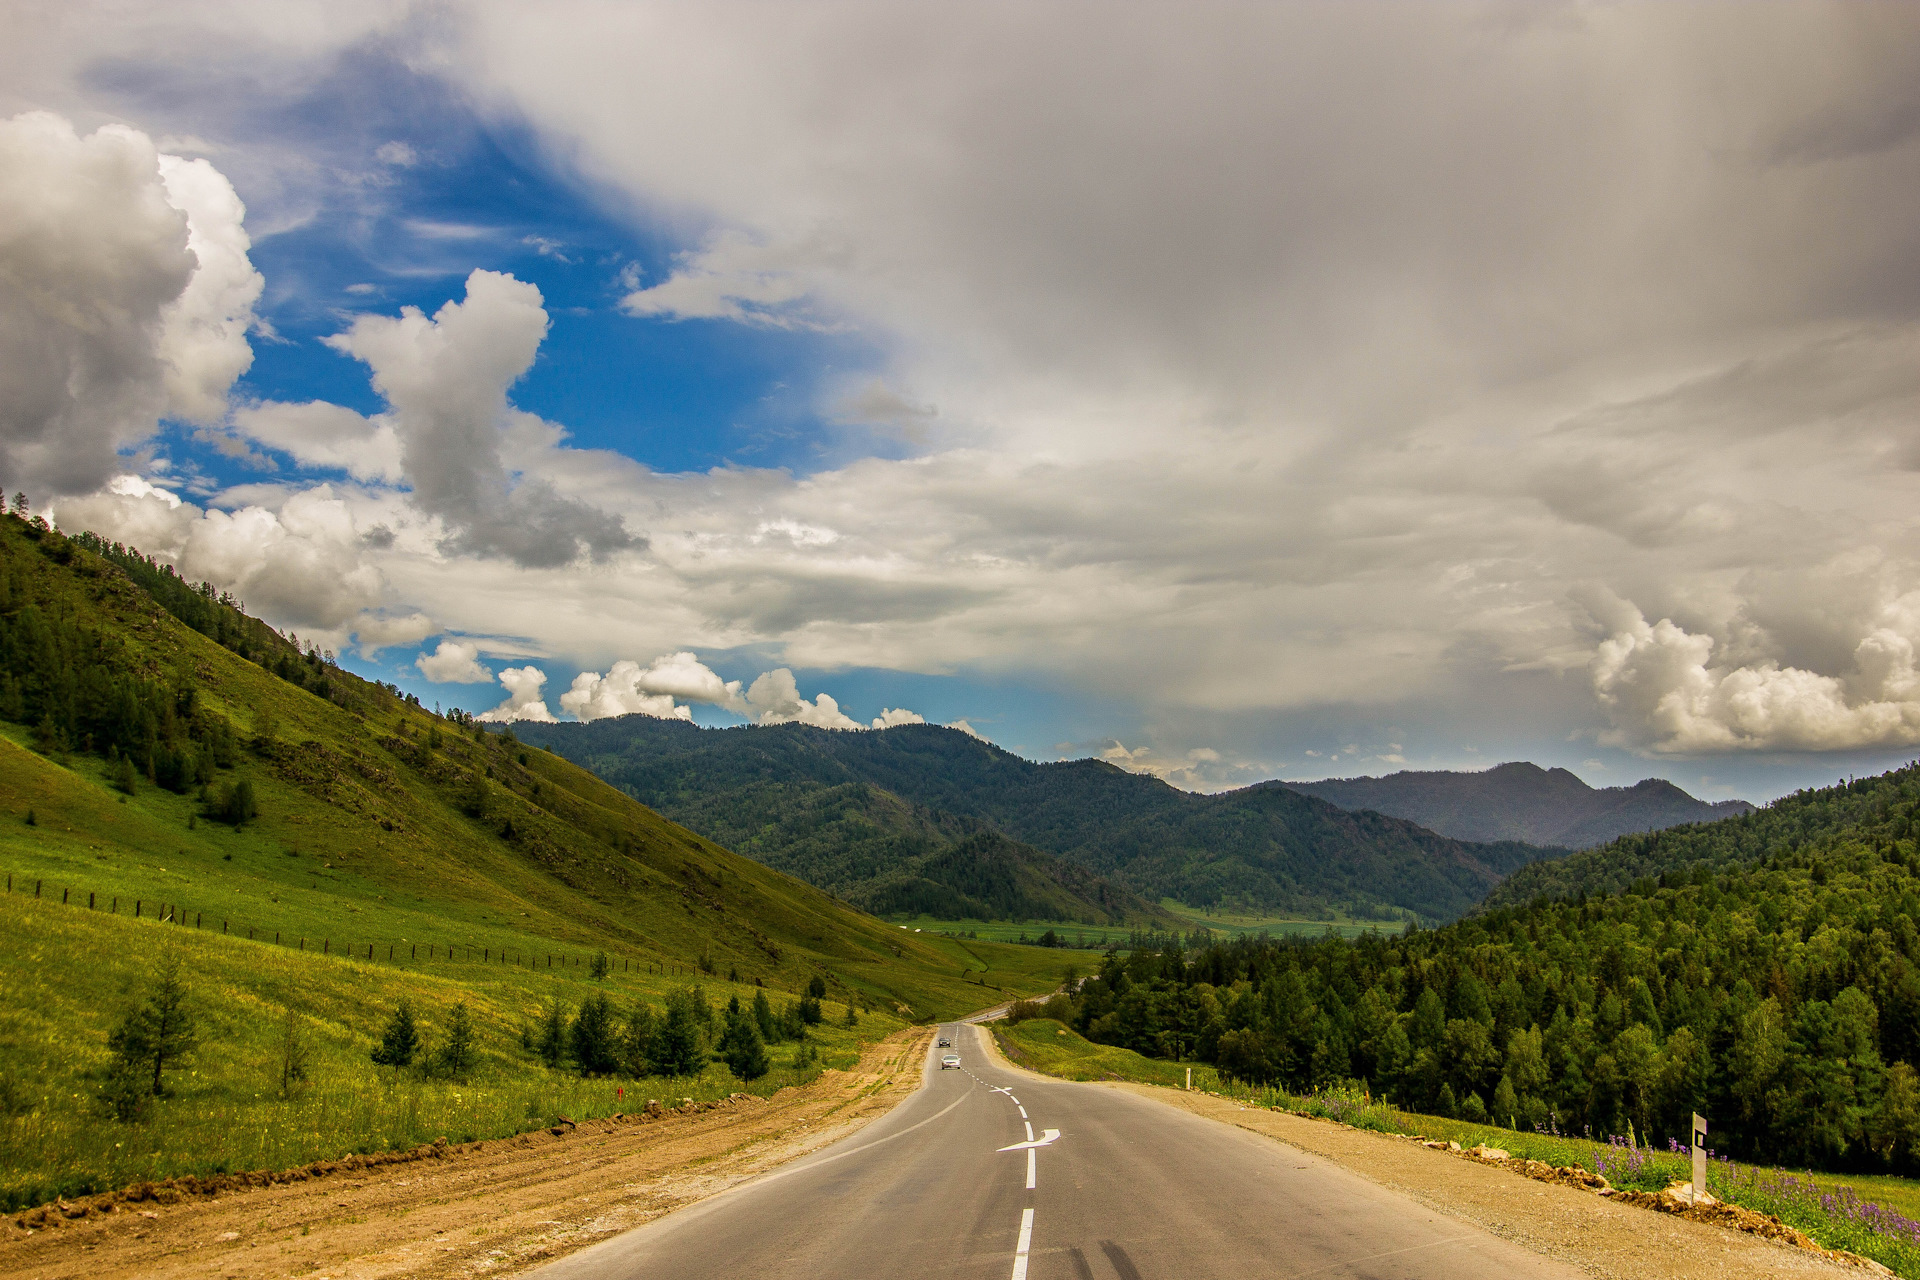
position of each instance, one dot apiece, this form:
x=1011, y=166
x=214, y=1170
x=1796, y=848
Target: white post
x=1189, y=1079
x=1699, y=1157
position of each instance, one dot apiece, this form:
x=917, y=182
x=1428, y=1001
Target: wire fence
x=172, y=913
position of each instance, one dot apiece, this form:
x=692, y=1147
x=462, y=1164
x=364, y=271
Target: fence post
x=116, y=904
x=136, y=908
x=63, y=897
x=36, y=888
x=89, y=901
x=326, y=946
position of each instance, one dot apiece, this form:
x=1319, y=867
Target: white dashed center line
x=1026, y=1242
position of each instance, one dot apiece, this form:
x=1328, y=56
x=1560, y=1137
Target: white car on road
x=949, y=1060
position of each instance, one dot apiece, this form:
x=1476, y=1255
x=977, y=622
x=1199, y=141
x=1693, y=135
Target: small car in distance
x=949, y=1060
x=945, y=1043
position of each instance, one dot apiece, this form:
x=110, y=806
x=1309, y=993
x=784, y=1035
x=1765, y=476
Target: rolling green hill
x=177, y=779
x=1520, y=801
x=893, y=858
x=1265, y=847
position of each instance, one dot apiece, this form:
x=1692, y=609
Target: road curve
x=1129, y=1189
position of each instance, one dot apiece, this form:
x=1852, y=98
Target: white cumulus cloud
x=453, y=662
x=523, y=697
x=319, y=434
x=1667, y=693
x=298, y=563
x=127, y=296
x=445, y=379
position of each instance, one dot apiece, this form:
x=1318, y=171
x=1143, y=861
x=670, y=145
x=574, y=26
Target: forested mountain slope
x=1263, y=847
x=1872, y=809
x=1776, y=991
x=1521, y=801
x=238, y=758
x=875, y=850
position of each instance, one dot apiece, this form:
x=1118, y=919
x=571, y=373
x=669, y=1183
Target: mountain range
x=1521, y=801
x=845, y=809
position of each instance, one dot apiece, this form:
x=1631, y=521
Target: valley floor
x=487, y=1208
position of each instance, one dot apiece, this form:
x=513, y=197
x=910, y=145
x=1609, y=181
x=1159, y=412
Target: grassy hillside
x=1877, y=810
x=1265, y=849
x=1522, y=801
x=489, y=871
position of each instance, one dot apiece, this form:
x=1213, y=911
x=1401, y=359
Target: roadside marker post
x=1189, y=1079
x=1699, y=1157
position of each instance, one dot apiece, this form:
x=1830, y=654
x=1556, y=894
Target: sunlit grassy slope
x=367, y=836
x=66, y=968
x=363, y=834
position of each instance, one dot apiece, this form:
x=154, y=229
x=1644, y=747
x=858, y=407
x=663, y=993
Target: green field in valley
x=1229, y=922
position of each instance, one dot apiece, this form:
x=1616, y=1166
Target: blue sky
x=1209, y=401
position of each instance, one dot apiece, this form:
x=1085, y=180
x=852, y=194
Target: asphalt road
x=1117, y=1186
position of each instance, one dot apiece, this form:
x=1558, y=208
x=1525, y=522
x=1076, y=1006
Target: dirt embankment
x=469, y=1209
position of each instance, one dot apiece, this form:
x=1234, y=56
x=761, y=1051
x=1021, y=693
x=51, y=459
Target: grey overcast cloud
x=1233, y=391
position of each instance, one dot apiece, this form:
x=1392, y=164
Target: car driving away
x=949, y=1060
x=945, y=1043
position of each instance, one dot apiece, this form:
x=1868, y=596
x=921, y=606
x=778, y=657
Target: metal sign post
x=1699, y=1157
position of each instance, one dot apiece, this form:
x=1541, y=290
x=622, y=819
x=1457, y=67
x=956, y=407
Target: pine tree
x=457, y=1055
x=599, y=967
x=596, y=1045
x=401, y=1041
x=156, y=1033
x=676, y=1045
x=763, y=1017
x=552, y=1044
x=740, y=1045
x=636, y=1046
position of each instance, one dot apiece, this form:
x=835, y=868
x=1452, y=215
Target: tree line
x=1778, y=997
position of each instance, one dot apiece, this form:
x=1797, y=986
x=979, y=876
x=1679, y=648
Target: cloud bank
x=1292, y=363
x=128, y=297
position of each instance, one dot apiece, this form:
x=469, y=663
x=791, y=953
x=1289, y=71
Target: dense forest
x=1779, y=998
x=1788, y=823
x=1267, y=849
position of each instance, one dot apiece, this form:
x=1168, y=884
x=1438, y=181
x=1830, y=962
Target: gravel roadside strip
x=1574, y=1226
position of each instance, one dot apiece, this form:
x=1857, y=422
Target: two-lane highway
x=990, y=1173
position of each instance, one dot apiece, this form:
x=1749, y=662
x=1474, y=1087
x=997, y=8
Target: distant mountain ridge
x=762, y=790
x=1521, y=801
